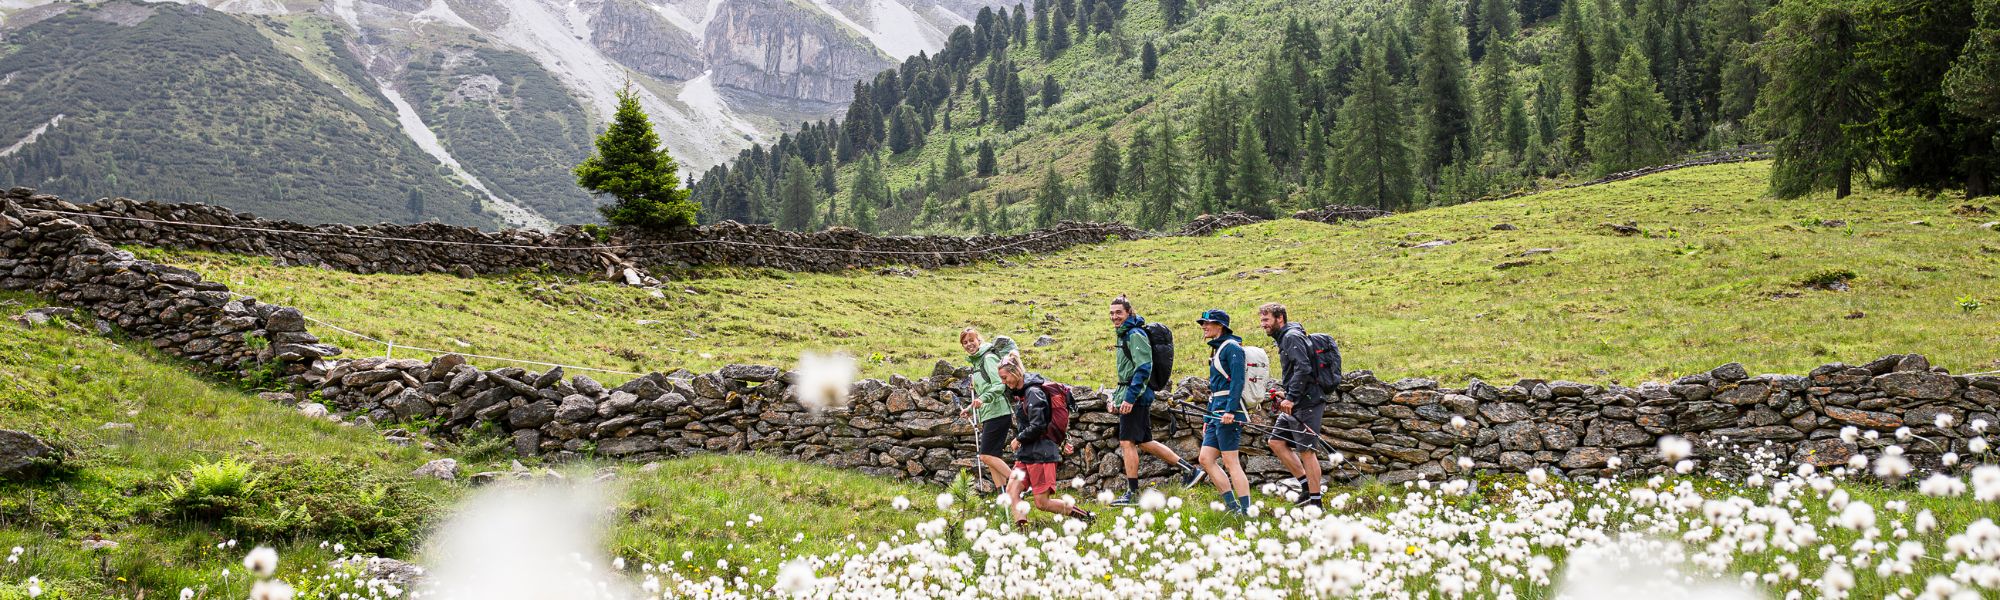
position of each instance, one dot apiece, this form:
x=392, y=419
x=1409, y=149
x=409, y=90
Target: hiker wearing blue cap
x=1222, y=426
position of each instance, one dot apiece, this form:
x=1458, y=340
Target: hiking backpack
x=1058, y=411
x=1256, y=374
x=1256, y=377
x=1162, y=341
x=1326, y=362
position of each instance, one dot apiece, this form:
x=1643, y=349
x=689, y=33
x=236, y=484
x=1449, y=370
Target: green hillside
x=1154, y=112
x=182, y=103
x=1716, y=273
x=509, y=123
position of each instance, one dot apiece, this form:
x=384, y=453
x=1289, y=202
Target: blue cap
x=1214, y=315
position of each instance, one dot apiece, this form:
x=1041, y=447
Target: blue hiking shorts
x=1222, y=437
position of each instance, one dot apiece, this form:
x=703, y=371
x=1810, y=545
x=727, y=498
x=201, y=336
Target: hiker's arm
x=1233, y=362
x=1297, y=356
x=1037, y=405
x=1141, y=349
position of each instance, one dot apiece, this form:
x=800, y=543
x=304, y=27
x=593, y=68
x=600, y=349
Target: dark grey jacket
x=1295, y=359
x=1031, y=421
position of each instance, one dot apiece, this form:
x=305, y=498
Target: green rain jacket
x=986, y=379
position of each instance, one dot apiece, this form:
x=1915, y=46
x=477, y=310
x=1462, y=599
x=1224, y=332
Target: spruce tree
x=904, y=133
x=1818, y=98
x=1250, y=180
x=1104, y=168
x=1167, y=180
x=1973, y=84
x=1137, y=180
x=866, y=193
x=1629, y=124
x=1051, y=200
x=987, y=165
x=1496, y=89
x=632, y=166
x=1734, y=28
x=1580, y=70
x=1921, y=141
x=1149, y=61
x=795, y=196
x=1013, y=104
x=1373, y=165
x=1277, y=113
x=1051, y=92
x=1441, y=92
x=1174, y=12
x=954, y=162
x=1215, y=124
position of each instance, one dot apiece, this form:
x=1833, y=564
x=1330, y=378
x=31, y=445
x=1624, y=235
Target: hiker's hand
x=1069, y=448
x=1013, y=445
x=1285, y=405
x=976, y=404
x=1228, y=418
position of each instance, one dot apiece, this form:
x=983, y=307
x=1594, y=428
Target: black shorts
x=1136, y=426
x=993, y=435
x=1304, y=425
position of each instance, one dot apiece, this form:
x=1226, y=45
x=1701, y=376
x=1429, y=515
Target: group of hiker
x=1026, y=414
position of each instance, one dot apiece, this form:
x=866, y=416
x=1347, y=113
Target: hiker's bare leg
x=1310, y=461
x=1215, y=476
x=1231, y=460
x=1014, y=489
x=1160, y=450
x=1283, y=450
x=1047, y=503
x=1130, y=453
x=998, y=468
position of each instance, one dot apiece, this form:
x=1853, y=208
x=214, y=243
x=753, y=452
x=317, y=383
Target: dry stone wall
x=908, y=428
x=469, y=251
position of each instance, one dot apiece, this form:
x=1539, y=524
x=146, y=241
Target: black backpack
x=1162, y=340
x=1326, y=362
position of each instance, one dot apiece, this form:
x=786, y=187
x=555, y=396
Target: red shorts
x=1041, y=476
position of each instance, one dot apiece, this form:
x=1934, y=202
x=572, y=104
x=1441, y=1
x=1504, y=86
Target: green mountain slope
x=183, y=103
x=509, y=123
x=1267, y=107
x=1716, y=274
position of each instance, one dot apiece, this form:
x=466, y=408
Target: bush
x=212, y=490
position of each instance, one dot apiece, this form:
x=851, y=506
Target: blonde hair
x=1013, y=363
x=969, y=332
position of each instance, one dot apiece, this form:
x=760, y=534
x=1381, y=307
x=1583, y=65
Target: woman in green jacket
x=990, y=410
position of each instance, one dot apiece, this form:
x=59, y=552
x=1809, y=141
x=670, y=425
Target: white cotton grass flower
x=1076, y=484
x=824, y=380
x=796, y=578
x=1976, y=445
x=261, y=561
x=1986, y=483
x=1835, y=582
x=1538, y=476
x=1902, y=434
x=900, y=503
x=1613, y=462
x=1892, y=466
x=34, y=587
x=1858, y=516
x=1978, y=425
x=1684, y=467
x=187, y=593
x=1857, y=462
x=1457, y=422
x=271, y=589
x=945, y=500
x=1943, y=421
x=1104, y=496
x=1675, y=448
x=1941, y=485
x=1850, y=434
x=1464, y=463
x=1152, y=500
x=1950, y=459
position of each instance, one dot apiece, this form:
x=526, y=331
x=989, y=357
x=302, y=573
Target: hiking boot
x=1191, y=477
x=1082, y=515
x=1305, y=501
x=1294, y=485
x=1129, y=499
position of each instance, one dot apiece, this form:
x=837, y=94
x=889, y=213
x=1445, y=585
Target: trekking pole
x=1319, y=439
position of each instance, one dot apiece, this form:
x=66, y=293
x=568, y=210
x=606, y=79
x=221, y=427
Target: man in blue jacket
x=1133, y=402
x=1222, y=427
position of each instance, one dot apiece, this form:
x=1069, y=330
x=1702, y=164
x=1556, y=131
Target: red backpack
x=1058, y=411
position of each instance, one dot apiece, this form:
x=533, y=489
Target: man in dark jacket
x=1222, y=427
x=1299, y=404
x=1036, y=454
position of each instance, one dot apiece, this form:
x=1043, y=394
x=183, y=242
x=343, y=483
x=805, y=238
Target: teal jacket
x=1225, y=380
x=1135, y=363
x=986, y=379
